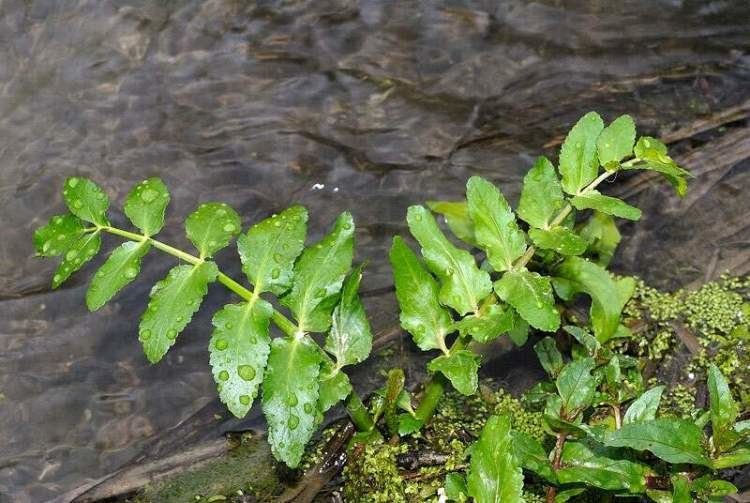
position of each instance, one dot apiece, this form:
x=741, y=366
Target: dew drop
x=56, y=278
x=149, y=195
x=100, y=196
x=100, y=273
x=285, y=246
x=245, y=399
x=145, y=334
x=223, y=375
x=61, y=237
x=418, y=217
x=253, y=339
x=72, y=182
x=275, y=273
x=291, y=400
x=229, y=227
x=308, y=408
x=449, y=271
x=45, y=247
x=130, y=272
x=77, y=204
x=71, y=254
x=277, y=257
x=276, y=223
x=347, y=226
x=221, y=344
x=320, y=292
x=246, y=372
x=221, y=212
x=171, y=334
x=293, y=422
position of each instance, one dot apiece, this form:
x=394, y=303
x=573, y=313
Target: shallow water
x=367, y=106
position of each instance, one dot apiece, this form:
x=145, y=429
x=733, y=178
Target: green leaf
x=417, y=293
x=602, y=236
x=76, y=256
x=455, y=487
x=86, y=200
x=579, y=165
x=566, y=494
x=595, y=200
x=541, y=197
x=60, y=233
x=549, y=356
x=616, y=142
x=408, y=424
x=724, y=410
x=120, y=268
x=519, y=334
x=173, y=302
x=456, y=215
x=394, y=390
x=334, y=387
x=531, y=295
x=560, y=239
x=655, y=158
x=238, y=352
x=460, y=367
x=576, y=386
x=211, y=227
x=584, y=338
x=600, y=467
x=463, y=284
x=673, y=440
x=350, y=337
x=681, y=489
x=645, y=407
x=531, y=456
x=495, y=224
x=494, y=474
x=270, y=247
x=290, y=396
x=146, y=204
x=608, y=297
x=319, y=274
x=738, y=456
x=490, y=322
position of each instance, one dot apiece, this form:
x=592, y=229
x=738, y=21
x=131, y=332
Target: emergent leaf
x=531, y=456
x=211, y=227
x=494, y=474
x=616, y=141
x=270, y=247
x=350, y=337
x=318, y=275
x=549, y=356
x=81, y=251
x=601, y=467
x=86, y=200
x=173, y=302
x=595, y=200
x=681, y=489
x=60, y=233
x=655, y=158
x=460, y=367
x=146, y=204
x=490, y=322
x=576, y=386
x=579, y=165
x=558, y=238
x=120, y=268
x=334, y=387
x=671, y=439
x=290, y=396
x=456, y=215
x=724, y=410
x=602, y=236
x=494, y=224
x=541, y=197
x=463, y=283
x=417, y=293
x=644, y=408
x=531, y=295
x=238, y=352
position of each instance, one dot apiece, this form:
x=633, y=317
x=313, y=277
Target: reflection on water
x=367, y=105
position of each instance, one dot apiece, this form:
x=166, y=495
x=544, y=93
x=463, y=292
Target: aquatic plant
x=528, y=271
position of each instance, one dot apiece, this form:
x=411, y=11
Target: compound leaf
x=173, y=302
x=120, y=268
x=146, y=204
x=270, y=247
x=724, y=410
x=595, y=200
x=350, y=337
x=319, y=274
x=463, y=283
x=671, y=439
x=238, y=352
x=645, y=407
x=579, y=164
x=456, y=215
x=560, y=239
x=531, y=295
x=541, y=197
x=211, y=226
x=60, y=233
x=495, y=225
x=494, y=474
x=290, y=396
x=616, y=142
x=460, y=367
x=86, y=200
x=417, y=292
x=80, y=251
x=576, y=386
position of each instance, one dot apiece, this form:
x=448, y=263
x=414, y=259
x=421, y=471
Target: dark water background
x=367, y=106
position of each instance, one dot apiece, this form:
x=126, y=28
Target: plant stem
x=354, y=406
x=557, y=456
x=434, y=389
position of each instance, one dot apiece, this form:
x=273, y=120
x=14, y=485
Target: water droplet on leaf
x=223, y=375
x=293, y=422
x=221, y=344
x=246, y=372
x=245, y=399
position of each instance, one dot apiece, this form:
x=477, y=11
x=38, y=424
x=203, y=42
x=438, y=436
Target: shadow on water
x=368, y=106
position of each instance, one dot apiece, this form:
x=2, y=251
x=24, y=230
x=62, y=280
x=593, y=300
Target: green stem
x=434, y=390
x=354, y=406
